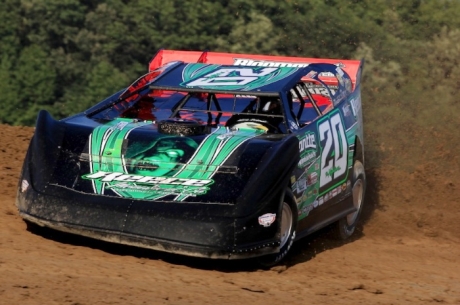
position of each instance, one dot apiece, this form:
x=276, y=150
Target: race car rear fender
x=359, y=153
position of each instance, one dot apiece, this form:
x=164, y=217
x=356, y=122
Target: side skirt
x=319, y=219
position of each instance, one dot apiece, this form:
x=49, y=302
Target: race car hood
x=130, y=159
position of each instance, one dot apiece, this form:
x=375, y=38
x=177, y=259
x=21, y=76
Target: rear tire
x=288, y=226
x=345, y=227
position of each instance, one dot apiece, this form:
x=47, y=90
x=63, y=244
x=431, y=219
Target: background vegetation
x=65, y=55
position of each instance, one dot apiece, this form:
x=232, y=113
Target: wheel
x=288, y=226
x=346, y=226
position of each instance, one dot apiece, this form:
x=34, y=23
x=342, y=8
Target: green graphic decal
x=160, y=168
x=232, y=78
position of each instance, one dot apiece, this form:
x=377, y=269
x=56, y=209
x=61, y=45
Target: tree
x=257, y=35
x=10, y=29
x=34, y=78
x=102, y=81
x=9, y=91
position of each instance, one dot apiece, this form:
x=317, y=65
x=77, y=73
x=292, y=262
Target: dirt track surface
x=407, y=252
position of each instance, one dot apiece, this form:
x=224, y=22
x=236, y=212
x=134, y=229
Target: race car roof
x=200, y=77
x=351, y=67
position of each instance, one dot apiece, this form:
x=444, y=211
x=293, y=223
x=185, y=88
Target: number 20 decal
x=334, y=153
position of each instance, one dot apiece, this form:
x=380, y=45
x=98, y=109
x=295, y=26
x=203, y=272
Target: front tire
x=345, y=227
x=288, y=226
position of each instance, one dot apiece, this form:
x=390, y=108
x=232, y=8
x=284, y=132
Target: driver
x=270, y=106
x=261, y=113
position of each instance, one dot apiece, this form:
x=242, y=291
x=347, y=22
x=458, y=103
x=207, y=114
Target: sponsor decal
x=346, y=110
x=343, y=79
x=298, y=199
x=307, y=141
x=226, y=135
x=301, y=185
x=307, y=159
x=312, y=178
x=293, y=125
x=304, y=197
x=334, y=192
x=355, y=106
x=253, y=120
x=266, y=220
x=312, y=74
x=232, y=78
x=317, y=89
x=339, y=71
x=111, y=177
x=348, y=84
x=315, y=204
x=268, y=63
x=332, y=170
x=307, y=148
x=306, y=209
x=24, y=185
x=120, y=125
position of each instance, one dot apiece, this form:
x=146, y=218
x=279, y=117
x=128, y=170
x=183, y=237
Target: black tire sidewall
x=345, y=230
x=273, y=259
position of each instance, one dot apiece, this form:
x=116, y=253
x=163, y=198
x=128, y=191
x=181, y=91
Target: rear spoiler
x=352, y=67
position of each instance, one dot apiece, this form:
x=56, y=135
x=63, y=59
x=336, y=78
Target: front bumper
x=199, y=230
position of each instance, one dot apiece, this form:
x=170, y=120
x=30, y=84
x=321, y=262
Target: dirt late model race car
x=209, y=154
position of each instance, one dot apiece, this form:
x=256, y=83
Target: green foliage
x=31, y=84
x=254, y=35
x=53, y=23
x=10, y=29
x=102, y=81
x=66, y=55
x=9, y=90
x=423, y=19
x=412, y=99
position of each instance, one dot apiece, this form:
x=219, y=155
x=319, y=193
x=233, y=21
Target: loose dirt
x=406, y=252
